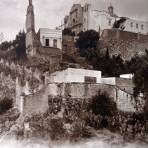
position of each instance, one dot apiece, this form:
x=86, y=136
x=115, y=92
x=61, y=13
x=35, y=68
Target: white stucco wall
x=110, y=81
x=127, y=76
x=51, y=34
x=94, y=18
x=125, y=102
x=101, y=19
x=133, y=28
x=74, y=75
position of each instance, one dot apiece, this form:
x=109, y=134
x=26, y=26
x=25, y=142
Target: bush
x=5, y=104
x=87, y=42
x=57, y=129
x=79, y=131
x=103, y=105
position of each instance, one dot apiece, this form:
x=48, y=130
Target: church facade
x=82, y=18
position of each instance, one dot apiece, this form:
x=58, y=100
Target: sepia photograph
x=73, y=74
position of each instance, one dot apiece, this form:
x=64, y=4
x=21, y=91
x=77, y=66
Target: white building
x=50, y=37
x=72, y=75
x=136, y=26
x=86, y=17
x=44, y=38
x=102, y=19
x=127, y=76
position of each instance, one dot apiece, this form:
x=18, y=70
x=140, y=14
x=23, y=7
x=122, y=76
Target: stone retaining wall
x=38, y=103
x=123, y=43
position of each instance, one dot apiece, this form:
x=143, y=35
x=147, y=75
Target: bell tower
x=30, y=30
x=111, y=10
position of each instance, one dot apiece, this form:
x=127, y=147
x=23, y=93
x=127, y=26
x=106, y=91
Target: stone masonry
x=123, y=43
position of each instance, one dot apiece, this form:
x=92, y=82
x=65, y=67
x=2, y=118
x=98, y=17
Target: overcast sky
x=49, y=13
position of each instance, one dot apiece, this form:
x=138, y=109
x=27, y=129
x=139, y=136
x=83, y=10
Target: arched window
x=55, y=43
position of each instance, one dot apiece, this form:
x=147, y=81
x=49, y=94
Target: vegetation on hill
x=110, y=66
x=5, y=45
x=87, y=42
x=119, y=23
x=5, y=104
x=103, y=105
x=114, y=66
x=19, y=44
x=140, y=65
x=17, y=47
x=76, y=119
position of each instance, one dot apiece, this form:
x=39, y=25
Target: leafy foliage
x=110, y=66
x=5, y=45
x=141, y=77
x=103, y=105
x=19, y=43
x=5, y=104
x=119, y=24
x=87, y=41
x=57, y=129
x=79, y=130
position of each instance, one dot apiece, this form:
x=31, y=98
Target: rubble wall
x=123, y=43
x=38, y=103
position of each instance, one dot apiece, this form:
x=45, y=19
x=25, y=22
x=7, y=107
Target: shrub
x=5, y=104
x=57, y=129
x=79, y=131
x=102, y=105
x=87, y=43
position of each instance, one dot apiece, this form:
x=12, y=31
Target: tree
x=5, y=45
x=5, y=104
x=119, y=23
x=19, y=44
x=141, y=78
x=87, y=41
x=110, y=66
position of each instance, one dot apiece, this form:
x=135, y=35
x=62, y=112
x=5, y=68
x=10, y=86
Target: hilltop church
x=86, y=17
x=33, y=85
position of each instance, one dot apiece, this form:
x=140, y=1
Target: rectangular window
x=137, y=26
x=142, y=26
x=47, y=42
x=55, y=43
x=109, y=22
x=90, y=80
x=131, y=24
